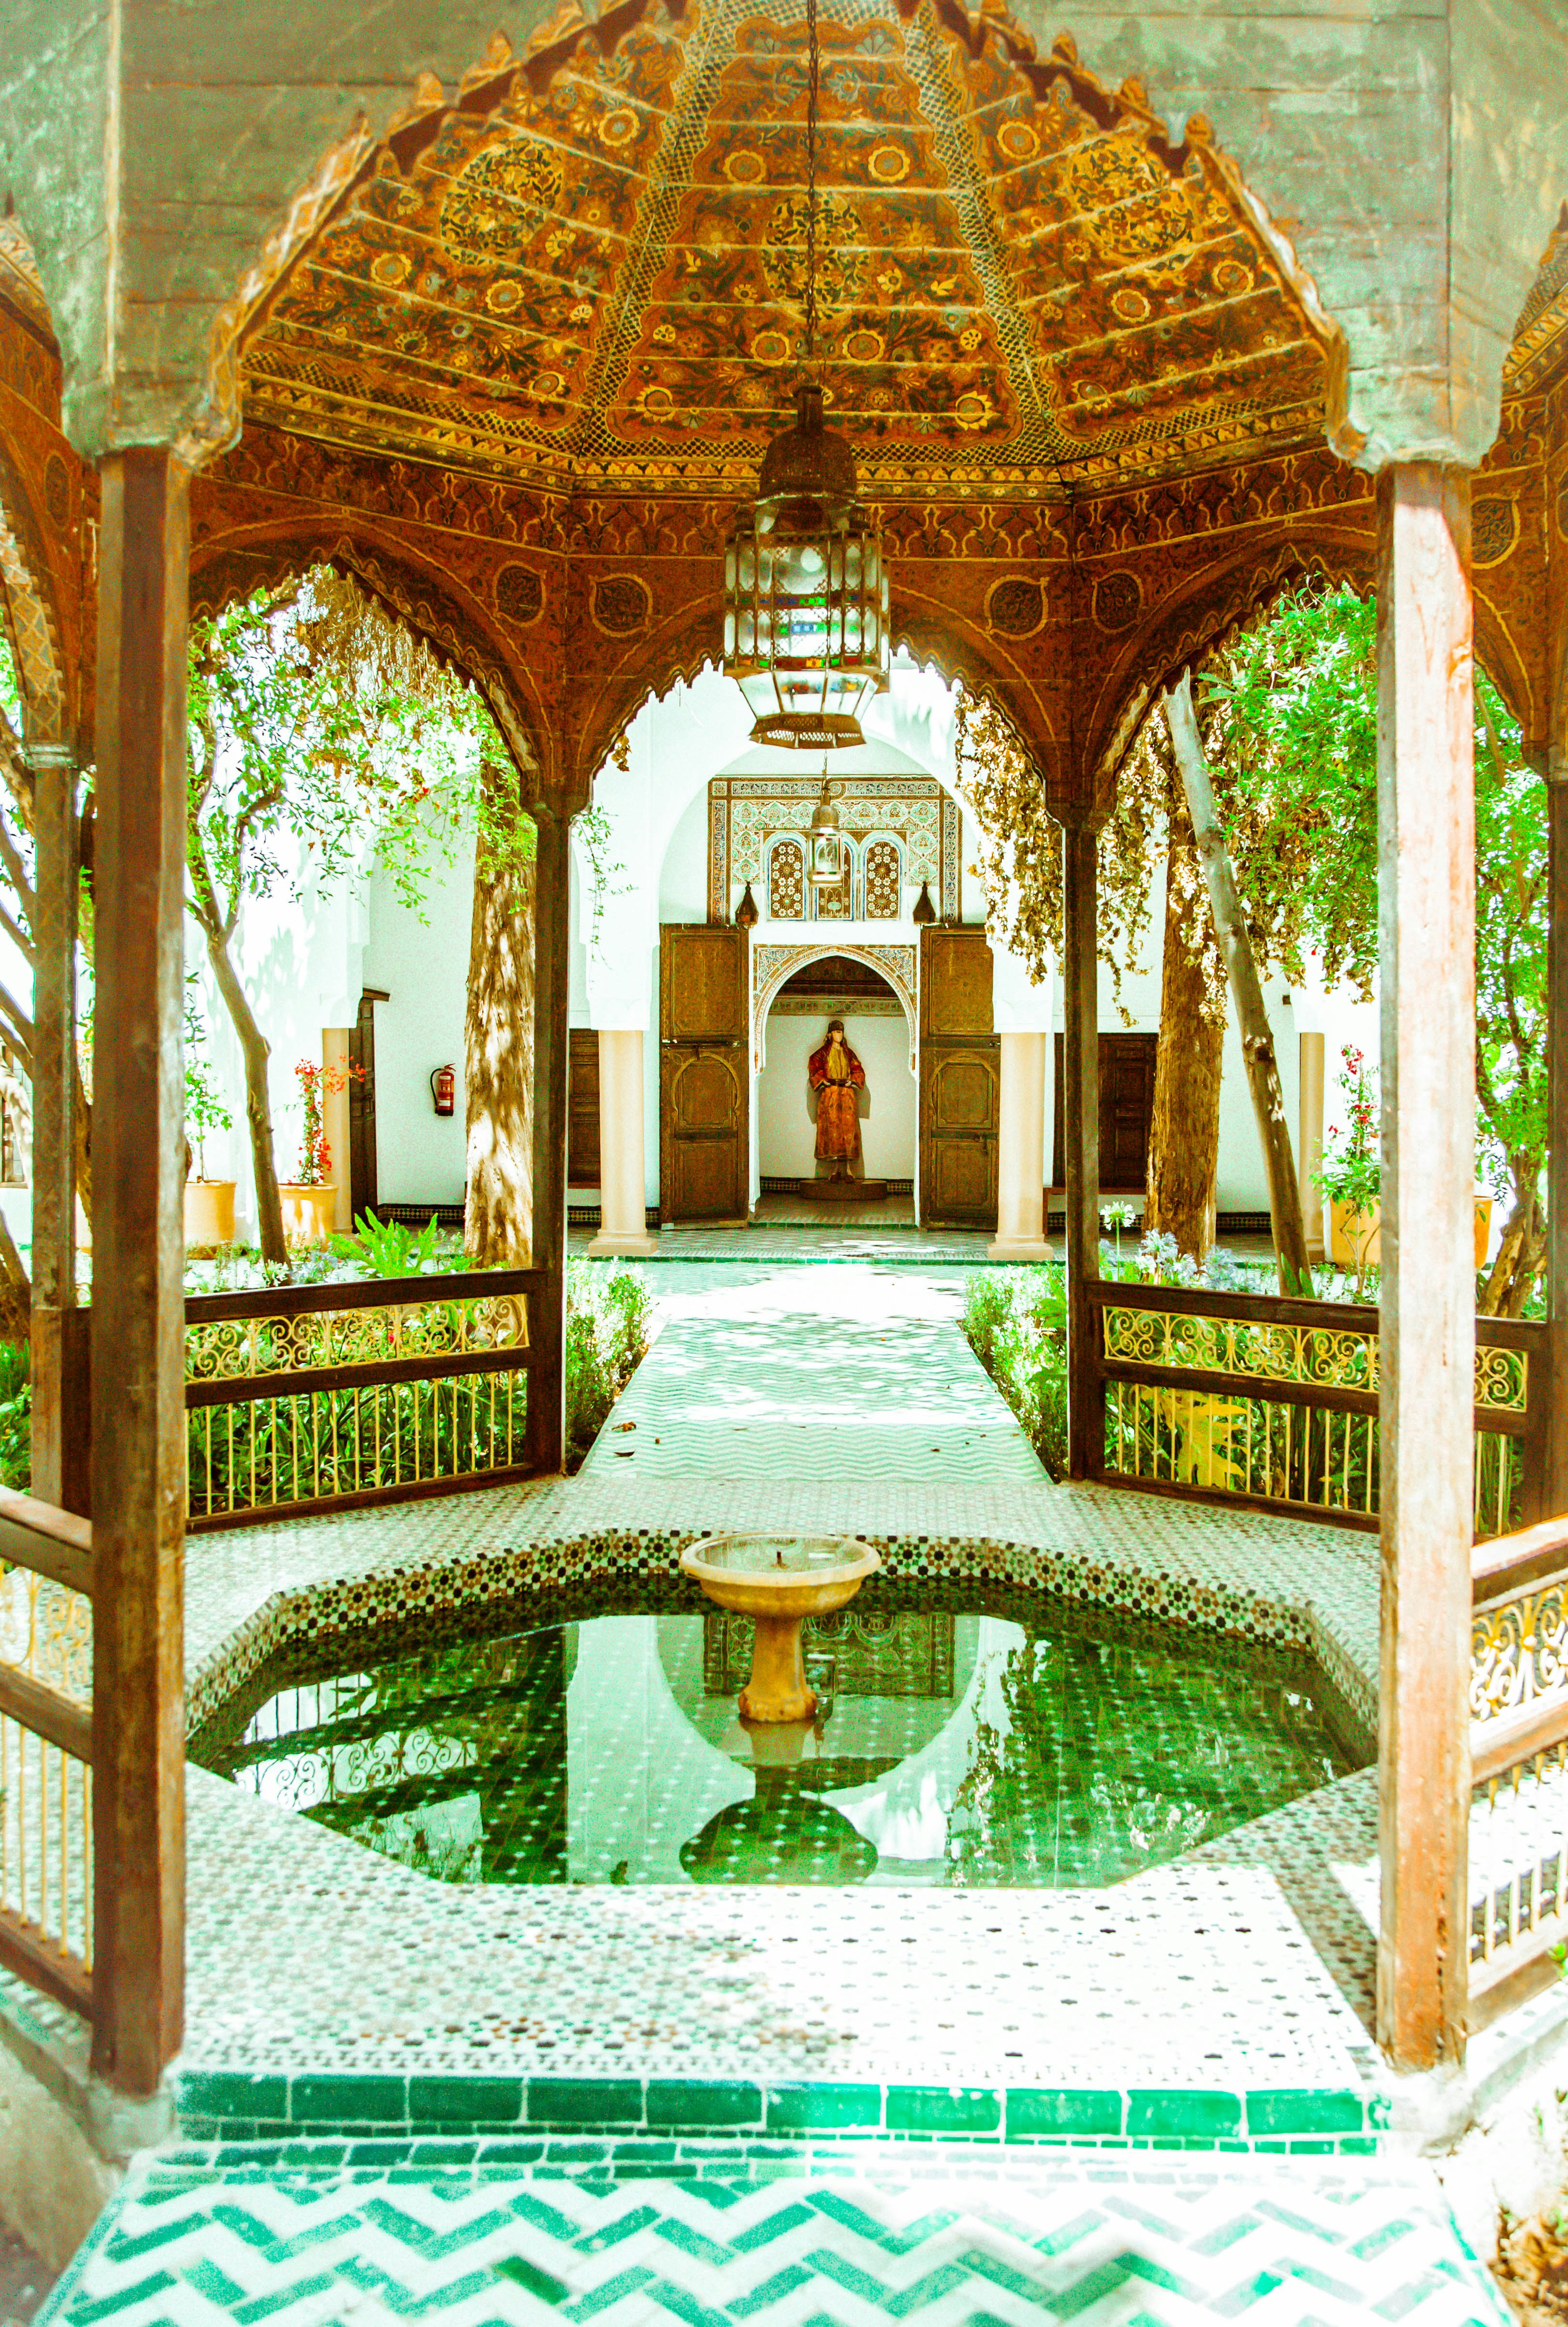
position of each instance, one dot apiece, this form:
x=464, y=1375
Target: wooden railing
x=1519, y=1740
x=326, y=1397
x=46, y=1750
x=1244, y=1399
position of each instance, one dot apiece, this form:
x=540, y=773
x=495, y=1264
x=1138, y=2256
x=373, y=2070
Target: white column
x=1020, y=1151
x=623, y=1217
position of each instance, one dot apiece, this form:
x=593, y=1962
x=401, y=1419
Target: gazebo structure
x=1131, y=323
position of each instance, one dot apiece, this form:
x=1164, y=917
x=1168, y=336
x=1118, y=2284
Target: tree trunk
x=1184, y=1131
x=15, y=1290
x=256, y=1049
x=1257, y=1049
x=1521, y=1256
x=498, y=1066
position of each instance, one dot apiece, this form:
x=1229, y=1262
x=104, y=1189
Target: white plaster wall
x=787, y=1136
x=422, y=964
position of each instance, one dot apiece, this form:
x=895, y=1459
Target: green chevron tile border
x=230, y=2106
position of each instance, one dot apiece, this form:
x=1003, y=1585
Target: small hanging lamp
x=806, y=591
x=824, y=842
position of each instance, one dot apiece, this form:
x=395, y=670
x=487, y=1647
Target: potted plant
x=308, y=1198
x=208, y=1204
x=1351, y=1179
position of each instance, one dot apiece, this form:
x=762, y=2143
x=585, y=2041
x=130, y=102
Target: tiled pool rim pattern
x=647, y=2118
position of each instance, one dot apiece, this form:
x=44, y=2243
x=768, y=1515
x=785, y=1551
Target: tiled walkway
x=855, y=1375
x=307, y=2239
x=676, y=2102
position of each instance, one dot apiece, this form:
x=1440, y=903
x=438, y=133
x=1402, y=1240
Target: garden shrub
x=607, y=1312
x=1016, y=1321
x=16, y=1417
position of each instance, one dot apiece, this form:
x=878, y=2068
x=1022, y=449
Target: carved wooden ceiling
x=600, y=280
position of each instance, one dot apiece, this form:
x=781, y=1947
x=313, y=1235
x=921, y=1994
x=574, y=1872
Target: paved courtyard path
x=840, y=1372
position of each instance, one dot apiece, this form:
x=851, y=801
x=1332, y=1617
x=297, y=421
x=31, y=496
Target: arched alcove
x=872, y=989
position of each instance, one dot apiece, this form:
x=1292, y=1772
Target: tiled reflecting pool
x=1016, y=1742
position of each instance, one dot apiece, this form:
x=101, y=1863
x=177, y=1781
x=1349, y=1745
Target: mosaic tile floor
x=849, y=1377
x=477, y=2236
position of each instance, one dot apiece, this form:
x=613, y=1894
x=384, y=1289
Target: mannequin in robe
x=836, y=1078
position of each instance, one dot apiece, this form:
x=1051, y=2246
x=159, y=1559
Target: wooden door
x=582, y=1107
x=362, y=1190
x=960, y=1080
x=1127, y=1112
x=704, y=1073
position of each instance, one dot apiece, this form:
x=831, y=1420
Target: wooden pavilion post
x=1081, y=1135
x=138, y=1419
x=54, y=931
x=551, y=905
x=1554, y=1496
x=1426, y=869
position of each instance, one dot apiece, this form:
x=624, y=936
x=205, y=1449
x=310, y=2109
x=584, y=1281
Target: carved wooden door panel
x=704, y=1073
x=1126, y=1113
x=960, y=1080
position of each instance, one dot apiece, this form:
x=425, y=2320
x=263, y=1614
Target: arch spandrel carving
x=430, y=602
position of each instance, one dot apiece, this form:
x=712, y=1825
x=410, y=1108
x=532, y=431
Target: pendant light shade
x=806, y=593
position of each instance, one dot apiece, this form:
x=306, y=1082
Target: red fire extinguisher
x=443, y=1089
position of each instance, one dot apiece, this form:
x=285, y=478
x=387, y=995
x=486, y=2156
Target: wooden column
x=138, y=1419
x=548, y=1385
x=1081, y=1136
x=1554, y=1480
x=1427, y=873
x=54, y=931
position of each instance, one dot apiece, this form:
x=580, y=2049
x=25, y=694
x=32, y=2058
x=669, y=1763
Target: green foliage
x=204, y=1109
x=16, y=1417
x=1016, y=1321
x=1352, y=1170
x=608, y=1314
x=390, y=1249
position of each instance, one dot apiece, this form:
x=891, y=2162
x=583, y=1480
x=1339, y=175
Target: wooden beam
x=1553, y=1483
x=138, y=1312
x=54, y=928
x=48, y=1542
x=1081, y=1128
x=1426, y=864
x=547, y=1249
x=43, y=1964
x=48, y=1715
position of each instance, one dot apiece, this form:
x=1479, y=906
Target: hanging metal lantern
x=805, y=593
x=825, y=856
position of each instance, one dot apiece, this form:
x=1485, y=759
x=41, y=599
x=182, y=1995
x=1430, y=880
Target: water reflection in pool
x=955, y=1748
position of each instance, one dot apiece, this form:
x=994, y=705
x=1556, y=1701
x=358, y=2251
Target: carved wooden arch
x=424, y=599
x=1185, y=629
x=962, y=652
x=32, y=624
x=610, y=686
x=898, y=967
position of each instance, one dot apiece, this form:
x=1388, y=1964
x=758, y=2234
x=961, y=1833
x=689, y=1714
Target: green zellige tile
x=1304, y=2110
x=699, y=2101
x=804, y=2107
x=230, y=2093
x=585, y=2100
x=943, y=2108
x=1183, y=2115
x=465, y=2100
x=1057, y=2109
x=348, y=2100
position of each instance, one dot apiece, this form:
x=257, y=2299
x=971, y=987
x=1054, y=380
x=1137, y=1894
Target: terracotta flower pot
x=307, y=1213
x=209, y=1211
x=1350, y=1229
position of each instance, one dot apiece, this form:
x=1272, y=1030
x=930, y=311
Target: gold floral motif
x=237, y=1349
x=1518, y=1652
x=1328, y=1357
x=1323, y=1356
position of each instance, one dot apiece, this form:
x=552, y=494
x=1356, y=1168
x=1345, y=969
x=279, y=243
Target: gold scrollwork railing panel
x=1518, y=1853
x=1518, y=1652
x=1320, y=1357
x=236, y=1349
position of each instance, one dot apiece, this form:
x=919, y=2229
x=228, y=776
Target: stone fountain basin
x=744, y=1572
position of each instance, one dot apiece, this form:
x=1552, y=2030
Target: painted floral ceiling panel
x=601, y=281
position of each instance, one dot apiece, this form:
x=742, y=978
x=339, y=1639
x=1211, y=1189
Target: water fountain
x=779, y=1581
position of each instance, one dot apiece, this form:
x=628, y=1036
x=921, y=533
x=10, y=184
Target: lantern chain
x=813, y=92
